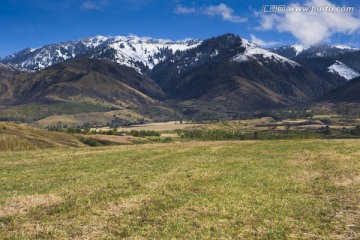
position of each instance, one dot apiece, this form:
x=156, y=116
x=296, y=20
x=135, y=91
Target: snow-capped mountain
x=335, y=63
x=132, y=51
x=342, y=70
x=254, y=52
x=303, y=52
x=210, y=68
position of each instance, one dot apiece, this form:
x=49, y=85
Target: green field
x=298, y=189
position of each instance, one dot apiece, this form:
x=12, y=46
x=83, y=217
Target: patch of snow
x=344, y=47
x=215, y=53
x=253, y=51
x=343, y=71
x=240, y=58
x=298, y=48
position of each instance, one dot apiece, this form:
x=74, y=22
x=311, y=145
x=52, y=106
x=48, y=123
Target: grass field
x=299, y=189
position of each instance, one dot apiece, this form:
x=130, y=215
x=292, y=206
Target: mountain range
x=221, y=77
x=139, y=53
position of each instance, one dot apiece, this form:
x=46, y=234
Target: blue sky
x=34, y=23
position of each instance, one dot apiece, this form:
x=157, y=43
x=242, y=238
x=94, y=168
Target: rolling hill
x=14, y=137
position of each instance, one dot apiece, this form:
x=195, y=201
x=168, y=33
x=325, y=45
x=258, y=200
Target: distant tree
x=327, y=130
x=255, y=135
x=356, y=131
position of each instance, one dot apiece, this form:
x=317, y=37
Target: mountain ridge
x=132, y=51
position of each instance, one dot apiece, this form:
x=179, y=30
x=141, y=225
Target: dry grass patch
x=347, y=180
x=22, y=204
x=118, y=139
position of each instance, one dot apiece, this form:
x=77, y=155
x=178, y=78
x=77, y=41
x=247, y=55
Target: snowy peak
x=303, y=52
x=132, y=51
x=94, y=42
x=342, y=70
x=345, y=47
x=298, y=48
x=146, y=51
x=254, y=52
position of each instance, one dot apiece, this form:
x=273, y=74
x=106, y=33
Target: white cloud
x=89, y=5
x=262, y=43
x=222, y=10
x=184, y=10
x=225, y=12
x=311, y=27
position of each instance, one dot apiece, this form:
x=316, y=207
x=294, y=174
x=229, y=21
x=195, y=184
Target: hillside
x=81, y=86
x=348, y=93
x=7, y=71
x=97, y=82
x=14, y=137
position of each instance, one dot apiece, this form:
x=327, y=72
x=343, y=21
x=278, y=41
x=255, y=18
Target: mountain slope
x=97, y=82
x=139, y=53
x=343, y=71
x=348, y=93
x=7, y=71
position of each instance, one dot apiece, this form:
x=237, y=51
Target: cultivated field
x=298, y=189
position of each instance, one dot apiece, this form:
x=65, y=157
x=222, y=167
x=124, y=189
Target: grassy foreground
x=299, y=189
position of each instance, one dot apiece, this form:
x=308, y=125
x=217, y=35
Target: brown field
x=161, y=126
x=118, y=139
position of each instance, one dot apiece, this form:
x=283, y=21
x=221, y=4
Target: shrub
x=93, y=142
x=144, y=133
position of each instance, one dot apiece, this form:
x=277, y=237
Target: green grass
x=300, y=189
